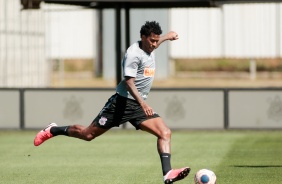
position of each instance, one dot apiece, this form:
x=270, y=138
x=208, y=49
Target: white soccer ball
x=205, y=176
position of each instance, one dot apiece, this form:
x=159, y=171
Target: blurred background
x=233, y=45
x=224, y=72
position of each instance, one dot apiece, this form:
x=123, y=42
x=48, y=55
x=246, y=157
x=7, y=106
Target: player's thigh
x=155, y=126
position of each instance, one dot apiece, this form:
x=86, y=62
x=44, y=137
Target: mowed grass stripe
x=254, y=158
x=130, y=157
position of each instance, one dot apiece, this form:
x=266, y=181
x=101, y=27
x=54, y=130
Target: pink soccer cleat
x=176, y=174
x=43, y=135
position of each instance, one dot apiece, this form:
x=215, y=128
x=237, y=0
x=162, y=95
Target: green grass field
x=130, y=157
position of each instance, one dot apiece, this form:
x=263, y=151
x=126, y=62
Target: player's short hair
x=151, y=27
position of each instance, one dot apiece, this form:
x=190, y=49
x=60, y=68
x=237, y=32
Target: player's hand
x=147, y=109
x=172, y=35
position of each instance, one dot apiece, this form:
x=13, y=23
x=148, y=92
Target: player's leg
x=99, y=126
x=86, y=133
x=77, y=131
x=157, y=127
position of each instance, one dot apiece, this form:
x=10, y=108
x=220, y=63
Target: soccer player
x=128, y=103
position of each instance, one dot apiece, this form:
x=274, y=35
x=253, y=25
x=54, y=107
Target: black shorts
x=119, y=110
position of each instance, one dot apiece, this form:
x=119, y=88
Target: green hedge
x=226, y=64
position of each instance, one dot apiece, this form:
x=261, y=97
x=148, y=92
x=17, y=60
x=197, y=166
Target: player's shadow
x=256, y=166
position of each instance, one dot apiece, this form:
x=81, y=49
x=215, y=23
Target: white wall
x=243, y=30
x=199, y=109
x=22, y=47
x=179, y=108
x=255, y=109
x=9, y=109
x=234, y=30
x=251, y=30
x=70, y=31
x=200, y=32
x=28, y=39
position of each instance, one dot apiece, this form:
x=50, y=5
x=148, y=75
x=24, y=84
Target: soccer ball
x=205, y=176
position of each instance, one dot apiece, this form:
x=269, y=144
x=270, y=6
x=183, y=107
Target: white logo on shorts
x=102, y=121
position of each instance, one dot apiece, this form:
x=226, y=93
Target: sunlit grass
x=130, y=157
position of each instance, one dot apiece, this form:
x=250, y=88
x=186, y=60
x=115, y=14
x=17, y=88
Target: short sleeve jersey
x=140, y=65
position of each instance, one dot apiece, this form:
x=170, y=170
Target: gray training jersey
x=141, y=65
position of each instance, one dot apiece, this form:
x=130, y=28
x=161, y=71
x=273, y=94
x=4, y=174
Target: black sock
x=165, y=160
x=63, y=130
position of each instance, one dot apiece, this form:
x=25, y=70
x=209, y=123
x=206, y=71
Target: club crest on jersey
x=102, y=121
x=149, y=72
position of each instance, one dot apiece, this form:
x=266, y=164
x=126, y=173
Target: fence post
x=226, y=108
x=253, y=69
x=22, y=123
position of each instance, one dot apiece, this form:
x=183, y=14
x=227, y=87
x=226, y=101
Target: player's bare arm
x=134, y=92
x=169, y=36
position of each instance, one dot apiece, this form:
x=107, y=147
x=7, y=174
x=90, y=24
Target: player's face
x=150, y=43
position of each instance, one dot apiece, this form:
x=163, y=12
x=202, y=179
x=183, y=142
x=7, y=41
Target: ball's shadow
x=256, y=166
